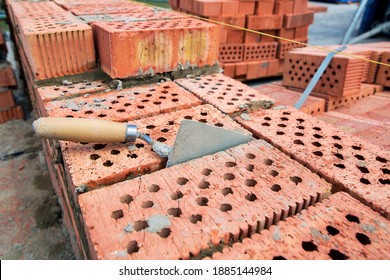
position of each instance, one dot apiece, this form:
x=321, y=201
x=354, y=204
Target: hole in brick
x=385, y=171
x=140, y=225
x=206, y=171
x=282, y=125
x=182, y=181
x=177, y=195
x=204, y=185
x=309, y=246
x=365, y=181
x=121, y=110
x=139, y=145
x=202, y=201
x=381, y=159
x=318, y=136
x=338, y=146
x=299, y=134
x=296, y=179
x=268, y=161
x=161, y=139
x=357, y=148
x=279, y=258
x=300, y=120
x=265, y=124
x=229, y=176
x=230, y=164
x=300, y=127
x=219, y=124
x=99, y=146
x=126, y=199
x=227, y=191
x=317, y=128
x=127, y=104
x=108, y=163
x=132, y=247
x=102, y=115
x=164, y=233
x=88, y=112
x=317, y=144
x=360, y=157
x=284, y=119
x=251, y=197
x=225, y=207
x=151, y=127
x=94, y=156
x=332, y=230
x=363, y=239
x=134, y=156
x=203, y=120
x=276, y=188
x=339, y=165
x=335, y=137
x=153, y=188
x=250, y=182
x=352, y=218
x=280, y=133
x=115, y=152
x=267, y=118
x=363, y=169
x=250, y=167
x=165, y=130
x=340, y=156
x=175, y=212
x=250, y=156
x=298, y=142
x=147, y=204
x=318, y=153
x=195, y=218
x=337, y=255
x=118, y=214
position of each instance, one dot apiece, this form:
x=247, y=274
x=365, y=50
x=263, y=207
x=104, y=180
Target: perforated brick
x=226, y=94
x=141, y=48
x=198, y=204
x=102, y=164
x=338, y=228
x=13, y=113
x=343, y=75
x=125, y=105
x=383, y=77
x=111, y=8
x=348, y=162
x=231, y=52
x=260, y=51
x=73, y=3
x=286, y=46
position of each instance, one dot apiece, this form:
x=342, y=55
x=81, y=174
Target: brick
x=154, y=46
x=6, y=99
x=264, y=22
x=275, y=67
x=224, y=93
x=207, y=7
x=125, y=105
x=111, y=8
x=241, y=69
x=174, y=4
x=284, y=7
x=288, y=33
x=302, y=31
x=317, y=9
x=233, y=20
x=296, y=20
x=286, y=46
x=230, y=8
x=300, y=6
x=187, y=5
x=55, y=49
x=191, y=196
x=349, y=163
x=231, y=52
x=7, y=75
x=342, y=77
x=246, y=8
x=102, y=164
x=334, y=229
x=235, y=36
x=260, y=51
x=251, y=37
x=260, y=69
x=383, y=76
x=229, y=69
x=265, y=8
x=14, y=113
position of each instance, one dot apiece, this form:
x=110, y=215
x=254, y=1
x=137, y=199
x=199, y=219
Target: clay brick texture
x=260, y=51
x=14, y=113
x=286, y=46
x=125, y=105
x=383, y=77
x=349, y=163
x=6, y=99
x=231, y=52
x=103, y=164
x=226, y=94
x=7, y=76
x=141, y=48
x=188, y=209
x=338, y=228
x=56, y=43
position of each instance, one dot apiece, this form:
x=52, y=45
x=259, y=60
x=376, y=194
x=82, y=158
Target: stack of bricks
x=119, y=200
x=8, y=109
x=247, y=55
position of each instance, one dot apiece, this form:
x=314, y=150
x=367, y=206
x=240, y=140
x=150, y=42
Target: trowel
x=193, y=140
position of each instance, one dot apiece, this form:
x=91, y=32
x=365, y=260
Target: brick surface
x=286, y=46
x=7, y=75
x=14, y=113
x=100, y=164
x=348, y=162
x=226, y=94
x=265, y=7
x=296, y=20
x=231, y=52
x=6, y=99
x=246, y=7
x=129, y=49
x=283, y=7
x=125, y=105
x=111, y=8
x=383, y=77
x=270, y=22
x=195, y=209
x=259, y=69
x=260, y=51
x=338, y=228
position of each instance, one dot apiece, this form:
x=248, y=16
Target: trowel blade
x=195, y=140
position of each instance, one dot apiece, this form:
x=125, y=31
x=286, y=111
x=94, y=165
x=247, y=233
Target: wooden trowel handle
x=80, y=130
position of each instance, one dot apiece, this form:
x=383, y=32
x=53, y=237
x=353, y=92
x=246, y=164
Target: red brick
x=302, y=31
x=125, y=105
x=383, y=76
x=14, y=113
x=174, y=4
x=251, y=37
x=230, y=8
x=226, y=94
x=207, y=7
x=260, y=69
x=260, y=51
x=210, y=211
x=187, y=5
x=349, y=163
x=286, y=46
x=336, y=228
x=241, y=69
x=284, y=7
x=246, y=7
x=110, y=8
x=286, y=33
x=72, y=3
x=300, y=6
x=265, y=7
x=153, y=46
x=229, y=69
x=296, y=20
x=7, y=76
x=231, y=52
x=6, y=99
x=100, y=164
x=264, y=22
x=267, y=36
x=317, y=9
x=235, y=36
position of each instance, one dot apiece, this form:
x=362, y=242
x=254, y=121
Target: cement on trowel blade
x=195, y=140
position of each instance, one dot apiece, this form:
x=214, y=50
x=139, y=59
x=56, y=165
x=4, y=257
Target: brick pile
x=246, y=55
x=119, y=200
